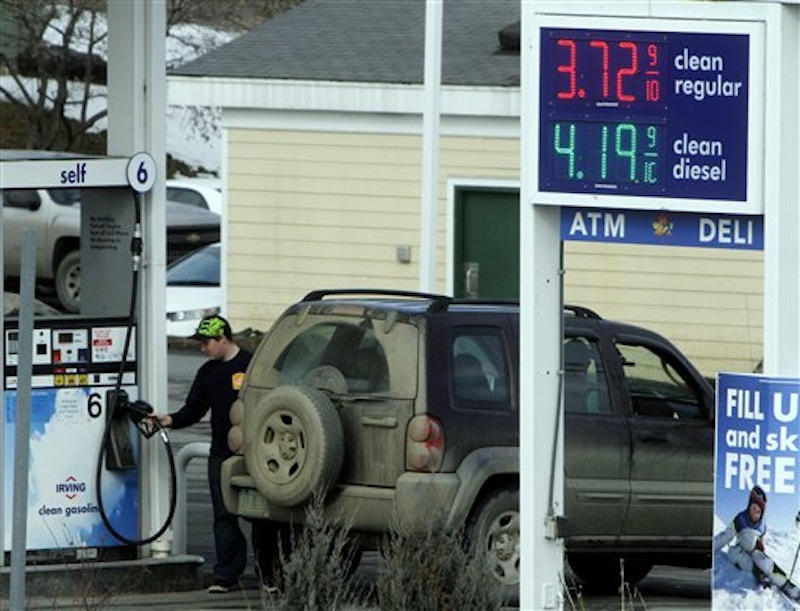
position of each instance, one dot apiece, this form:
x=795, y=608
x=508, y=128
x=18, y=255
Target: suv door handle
x=386, y=422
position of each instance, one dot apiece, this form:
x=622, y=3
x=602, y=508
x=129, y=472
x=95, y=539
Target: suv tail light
x=424, y=444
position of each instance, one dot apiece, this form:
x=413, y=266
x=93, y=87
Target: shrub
x=317, y=573
x=434, y=569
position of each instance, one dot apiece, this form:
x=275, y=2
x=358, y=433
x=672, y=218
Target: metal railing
x=195, y=449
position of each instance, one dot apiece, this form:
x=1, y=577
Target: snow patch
x=738, y=590
x=193, y=134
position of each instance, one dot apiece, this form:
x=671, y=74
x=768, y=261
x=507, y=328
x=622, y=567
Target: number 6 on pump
x=141, y=172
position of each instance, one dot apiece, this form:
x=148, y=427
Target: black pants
x=229, y=540
x=267, y=537
x=270, y=540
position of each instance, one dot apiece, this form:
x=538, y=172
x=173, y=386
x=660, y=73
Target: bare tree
x=232, y=15
x=52, y=53
x=50, y=79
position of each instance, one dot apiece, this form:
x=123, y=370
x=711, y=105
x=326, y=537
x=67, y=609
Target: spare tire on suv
x=294, y=444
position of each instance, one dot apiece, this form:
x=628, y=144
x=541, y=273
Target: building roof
x=372, y=41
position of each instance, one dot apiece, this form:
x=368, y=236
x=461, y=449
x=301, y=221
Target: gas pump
x=88, y=422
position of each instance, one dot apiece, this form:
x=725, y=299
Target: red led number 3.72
x=617, y=83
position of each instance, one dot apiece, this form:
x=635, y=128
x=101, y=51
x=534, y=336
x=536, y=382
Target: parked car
x=189, y=228
x=193, y=290
x=55, y=213
x=406, y=406
x=203, y=193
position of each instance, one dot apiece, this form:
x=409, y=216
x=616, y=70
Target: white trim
x=224, y=220
x=453, y=185
x=335, y=96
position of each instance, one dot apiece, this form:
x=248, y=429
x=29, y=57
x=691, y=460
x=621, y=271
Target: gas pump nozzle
x=139, y=412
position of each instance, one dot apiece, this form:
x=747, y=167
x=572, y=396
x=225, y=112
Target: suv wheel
x=68, y=281
x=494, y=531
x=294, y=444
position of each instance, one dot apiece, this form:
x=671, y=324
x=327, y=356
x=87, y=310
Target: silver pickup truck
x=56, y=216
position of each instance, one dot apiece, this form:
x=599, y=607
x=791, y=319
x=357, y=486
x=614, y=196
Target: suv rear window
x=351, y=349
x=357, y=355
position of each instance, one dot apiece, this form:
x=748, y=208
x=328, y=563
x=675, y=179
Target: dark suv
x=405, y=406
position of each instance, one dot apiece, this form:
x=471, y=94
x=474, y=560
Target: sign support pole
x=782, y=200
x=771, y=31
x=136, y=122
x=542, y=486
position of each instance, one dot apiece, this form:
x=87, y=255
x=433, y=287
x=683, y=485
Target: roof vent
x=509, y=37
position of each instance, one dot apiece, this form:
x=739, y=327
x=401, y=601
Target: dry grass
x=429, y=569
x=434, y=569
x=318, y=571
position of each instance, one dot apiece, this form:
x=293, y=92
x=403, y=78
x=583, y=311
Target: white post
x=541, y=418
x=782, y=202
x=136, y=122
x=430, y=146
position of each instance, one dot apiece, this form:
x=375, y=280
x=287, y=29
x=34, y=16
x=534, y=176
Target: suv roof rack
x=321, y=293
x=582, y=312
x=440, y=303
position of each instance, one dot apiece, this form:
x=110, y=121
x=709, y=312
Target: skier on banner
x=747, y=554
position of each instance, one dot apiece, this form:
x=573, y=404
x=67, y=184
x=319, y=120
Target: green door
x=486, y=253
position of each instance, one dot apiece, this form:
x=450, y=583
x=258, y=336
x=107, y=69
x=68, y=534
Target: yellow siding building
x=323, y=176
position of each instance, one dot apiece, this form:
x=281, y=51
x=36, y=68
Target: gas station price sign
x=652, y=114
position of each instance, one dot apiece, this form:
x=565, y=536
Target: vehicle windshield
x=65, y=197
x=200, y=268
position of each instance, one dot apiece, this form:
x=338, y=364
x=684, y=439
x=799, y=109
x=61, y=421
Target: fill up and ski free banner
x=757, y=444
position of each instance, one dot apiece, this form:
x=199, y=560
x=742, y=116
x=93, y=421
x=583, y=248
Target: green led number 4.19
x=618, y=147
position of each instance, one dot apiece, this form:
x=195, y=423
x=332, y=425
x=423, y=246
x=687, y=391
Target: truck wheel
x=294, y=444
x=601, y=573
x=494, y=532
x=68, y=281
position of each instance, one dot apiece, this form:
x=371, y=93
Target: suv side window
x=585, y=384
x=657, y=388
x=479, y=369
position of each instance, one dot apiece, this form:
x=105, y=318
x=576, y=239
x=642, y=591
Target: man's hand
x=164, y=420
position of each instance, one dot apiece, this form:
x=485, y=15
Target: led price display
x=609, y=72
x=657, y=114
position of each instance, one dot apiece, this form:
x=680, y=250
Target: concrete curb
x=98, y=579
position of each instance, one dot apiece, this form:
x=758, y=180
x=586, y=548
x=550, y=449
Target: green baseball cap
x=212, y=327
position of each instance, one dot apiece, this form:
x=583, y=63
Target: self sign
x=76, y=176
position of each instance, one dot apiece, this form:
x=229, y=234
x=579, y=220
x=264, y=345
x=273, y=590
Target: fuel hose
x=136, y=410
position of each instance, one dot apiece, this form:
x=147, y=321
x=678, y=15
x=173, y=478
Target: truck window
x=656, y=386
x=585, y=385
